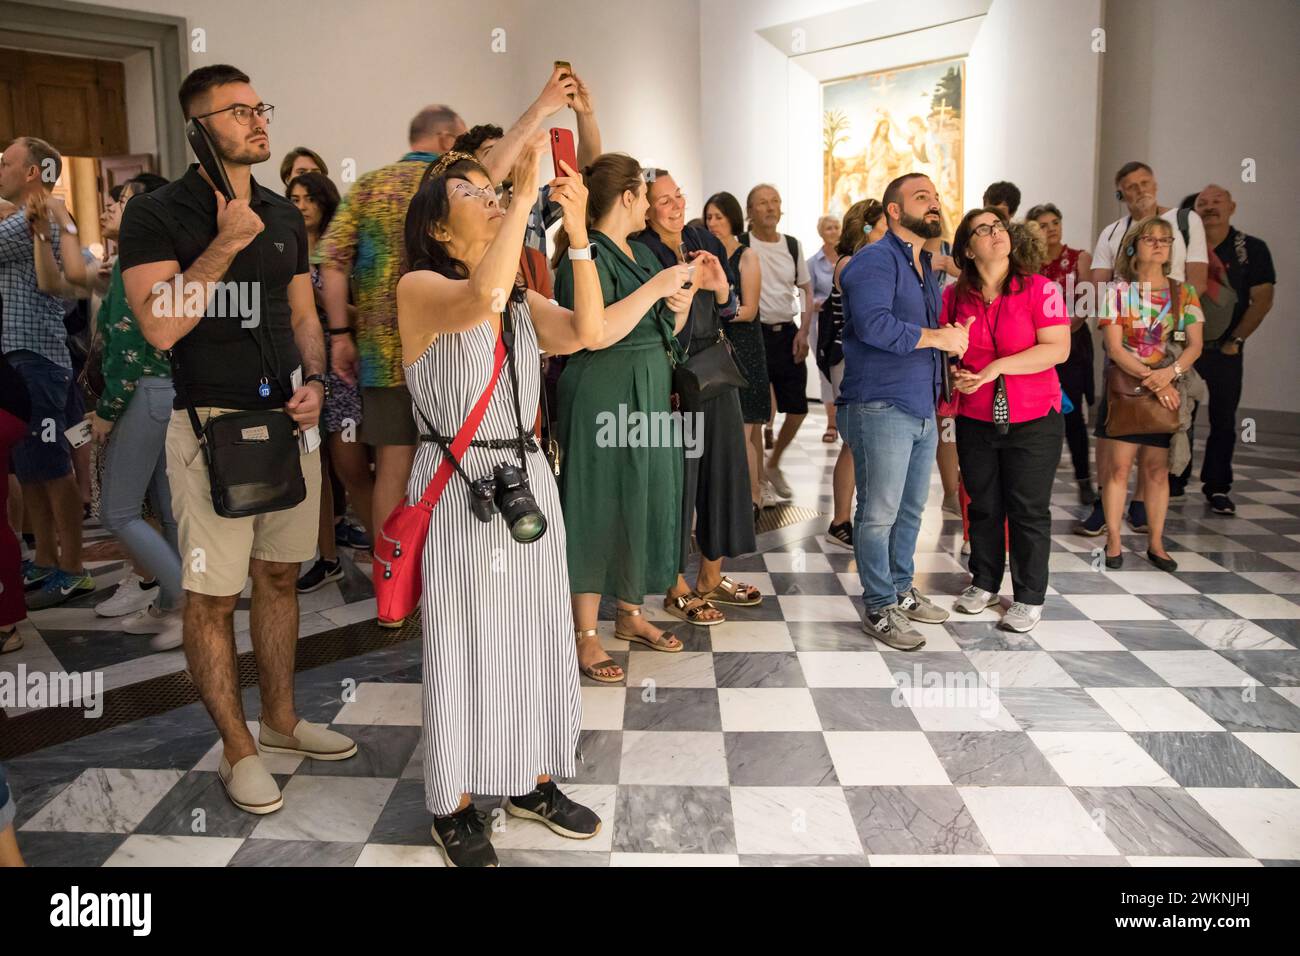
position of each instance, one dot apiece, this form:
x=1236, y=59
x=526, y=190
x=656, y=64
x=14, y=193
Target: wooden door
x=76, y=104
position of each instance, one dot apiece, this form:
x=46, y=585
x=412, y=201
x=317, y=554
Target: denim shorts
x=45, y=454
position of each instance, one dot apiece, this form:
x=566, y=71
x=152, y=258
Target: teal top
x=127, y=357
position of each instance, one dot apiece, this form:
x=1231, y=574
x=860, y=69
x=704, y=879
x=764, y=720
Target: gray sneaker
x=1022, y=617
x=920, y=608
x=974, y=600
x=891, y=626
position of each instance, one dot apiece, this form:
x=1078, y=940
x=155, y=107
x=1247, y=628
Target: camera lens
x=517, y=505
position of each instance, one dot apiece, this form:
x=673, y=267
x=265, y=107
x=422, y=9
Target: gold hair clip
x=447, y=159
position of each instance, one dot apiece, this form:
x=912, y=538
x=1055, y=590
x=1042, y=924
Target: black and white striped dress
x=501, y=699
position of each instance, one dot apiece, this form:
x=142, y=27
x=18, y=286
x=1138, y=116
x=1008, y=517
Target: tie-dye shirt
x=365, y=240
x=1147, y=320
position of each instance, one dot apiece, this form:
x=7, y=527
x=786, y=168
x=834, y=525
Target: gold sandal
x=590, y=670
x=690, y=606
x=729, y=591
x=656, y=644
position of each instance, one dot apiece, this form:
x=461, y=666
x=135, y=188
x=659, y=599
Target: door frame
x=163, y=37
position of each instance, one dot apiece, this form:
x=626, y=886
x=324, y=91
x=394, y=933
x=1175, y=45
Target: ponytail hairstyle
x=859, y=220
x=429, y=209
x=611, y=175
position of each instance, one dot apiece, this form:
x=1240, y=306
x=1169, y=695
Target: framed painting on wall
x=878, y=126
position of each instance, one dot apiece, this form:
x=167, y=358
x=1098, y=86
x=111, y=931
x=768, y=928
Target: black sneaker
x=464, y=839
x=841, y=535
x=1094, y=524
x=1222, y=505
x=1137, y=517
x=548, y=805
x=1177, y=489
x=320, y=574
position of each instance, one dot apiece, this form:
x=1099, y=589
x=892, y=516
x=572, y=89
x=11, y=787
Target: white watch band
x=583, y=253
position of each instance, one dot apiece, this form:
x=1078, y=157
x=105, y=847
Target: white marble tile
x=396, y=704
x=1100, y=759
x=673, y=758
x=1150, y=582
x=1271, y=497
x=1290, y=558
x=351, y=613
x=1020, y=669
x=1035, y=820
x=1061, y=561
x=1261, y=512
x=1264, y=821
x=1290, y=693
x=330, y=809
x=946, y=602
x=519, y=834
x=931, y=859
x=1194, y=668
x=957, y=709
x=1207, y=542
x=750, y=636
x=767, y=709
x=682, y=669
x=797, y=561
x=105, y=801
x=169, y=851
x=1074, y=636
x=817, y=607
x=602, y=707
x=845, y=669
x=1233, y=634
x=885, y=758
x=1152, y=709
x=851, y=582
x=1192, y=561
x=1114, y=607
x=674, y=859
x=387, y=854
x=1258, y=606
x=1196, y=861
x=796, y=820
x=1281, y=750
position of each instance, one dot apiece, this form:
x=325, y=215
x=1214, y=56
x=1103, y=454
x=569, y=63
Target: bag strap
x=792, y=244
x=465, y=434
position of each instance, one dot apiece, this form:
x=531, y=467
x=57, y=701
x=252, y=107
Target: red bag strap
x=467, y=431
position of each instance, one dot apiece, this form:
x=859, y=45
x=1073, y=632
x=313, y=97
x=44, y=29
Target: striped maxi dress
x=501, y=701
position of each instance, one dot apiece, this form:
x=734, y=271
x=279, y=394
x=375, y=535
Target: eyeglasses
x=473, y=192
x=1157, y=240
x=989, y=228
x=244, y=114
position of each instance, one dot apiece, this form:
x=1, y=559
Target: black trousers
x=1222, y=374
x=1009, y=479
x=1075, y=374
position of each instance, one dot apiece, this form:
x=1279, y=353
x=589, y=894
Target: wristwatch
x=586, y=252
x=317, y=377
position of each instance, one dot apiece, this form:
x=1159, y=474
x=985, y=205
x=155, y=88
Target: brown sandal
x=730, y=592
x=690, y=607
x=662, y=643
x=590, y=670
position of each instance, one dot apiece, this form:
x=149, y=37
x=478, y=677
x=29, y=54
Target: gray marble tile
x=382, y=751
x=783, y=859
x=1108, y=669
x=1288, y=630
x=779, y=758
x=755, y=669
x=330, y=809
x=913, y=668
x=829, y=636
x=1085, y=582
x=1055, y=708
x=1151, y=635
x=1204, y=759
x=1186, y=606
x=674, y=820
x=909, y=820
x=295, y=853
x=1218, y=582
x=862, y=708
x=405, y=820
x=599, y=755
x=547, y=858
x=1156, y=821
x=824, y=582
x=1244, y=561
x=673, y=708
x=988, y=636
x=198, y=806
x=1271, y=668
x=994, y=759
x=67, y=849
x=1262, y=710
x=1057, y=608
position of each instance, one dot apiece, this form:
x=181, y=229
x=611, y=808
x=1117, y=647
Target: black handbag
x=706, y=373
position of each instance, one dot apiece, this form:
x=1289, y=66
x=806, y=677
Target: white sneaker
x=172, y=635
x=1022, y=617
x=150, y=621
x=128, y=598
x=779, y=484
x=974, y=600
x=767, y=497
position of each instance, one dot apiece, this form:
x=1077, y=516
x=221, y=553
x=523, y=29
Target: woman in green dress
x=620, y=481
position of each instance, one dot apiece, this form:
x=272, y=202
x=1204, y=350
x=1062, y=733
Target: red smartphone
x=562, y=148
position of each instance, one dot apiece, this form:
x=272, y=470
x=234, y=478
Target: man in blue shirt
x=893, y=355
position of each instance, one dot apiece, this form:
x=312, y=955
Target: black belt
x=530, y=442
x=776, y=326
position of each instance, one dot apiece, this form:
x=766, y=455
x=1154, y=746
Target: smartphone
x=206, y=151
x=564, y=65
x=690, y=266
x=562, y=148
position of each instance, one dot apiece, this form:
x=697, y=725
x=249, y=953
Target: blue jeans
x=135, y=464
x=45, y=454
x=893, y=458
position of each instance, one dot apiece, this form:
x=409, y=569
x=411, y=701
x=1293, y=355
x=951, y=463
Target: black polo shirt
x=1248, y=263
x=222, y=361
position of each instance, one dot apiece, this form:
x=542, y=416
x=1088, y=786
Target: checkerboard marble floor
x=1150, y=719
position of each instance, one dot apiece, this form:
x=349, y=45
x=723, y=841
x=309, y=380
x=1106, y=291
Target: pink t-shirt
x=1014, y=320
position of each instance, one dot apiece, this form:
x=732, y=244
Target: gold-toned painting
x=878, y=126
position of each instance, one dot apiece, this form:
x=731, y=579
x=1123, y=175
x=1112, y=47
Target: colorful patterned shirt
x=1146, y=317
x=365, y=240
x=127, y=357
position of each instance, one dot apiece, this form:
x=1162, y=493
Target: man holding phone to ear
x=187, y=236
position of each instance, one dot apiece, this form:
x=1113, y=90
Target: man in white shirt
x=785, y=295
x=1135, y=186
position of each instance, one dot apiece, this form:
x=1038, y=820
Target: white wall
x=141, y=130
x=1193, y=87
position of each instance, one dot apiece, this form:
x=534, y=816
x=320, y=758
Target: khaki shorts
x=215, y=551
x=386, y=417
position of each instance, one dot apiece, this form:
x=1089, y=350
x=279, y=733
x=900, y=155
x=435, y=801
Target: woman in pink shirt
x=1009, y=424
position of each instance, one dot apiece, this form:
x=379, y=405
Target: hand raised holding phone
x=569, y=192
x=668, y=282
x=236, y=221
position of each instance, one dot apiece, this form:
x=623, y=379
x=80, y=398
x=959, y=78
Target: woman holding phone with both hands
x=501, y=703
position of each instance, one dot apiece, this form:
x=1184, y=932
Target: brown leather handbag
x=1132, y=409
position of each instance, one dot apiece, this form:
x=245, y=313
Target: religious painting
x=878, y=126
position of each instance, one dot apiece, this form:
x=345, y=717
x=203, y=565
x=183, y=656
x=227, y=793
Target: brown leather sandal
x=691, y=607
x=734, y=593
x=590, y=670
x=664, y=642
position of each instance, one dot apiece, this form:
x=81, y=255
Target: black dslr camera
x=506, y=490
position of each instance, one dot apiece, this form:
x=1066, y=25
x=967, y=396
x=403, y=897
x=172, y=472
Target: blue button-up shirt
x=32, y=320
x=886, y=304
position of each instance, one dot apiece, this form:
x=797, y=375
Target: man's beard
x=918, y=225
x=242, y=153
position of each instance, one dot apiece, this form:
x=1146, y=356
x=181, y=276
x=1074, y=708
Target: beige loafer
x=250, y=785
x=309, y=740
